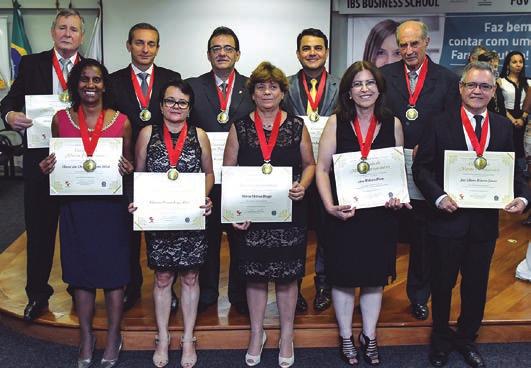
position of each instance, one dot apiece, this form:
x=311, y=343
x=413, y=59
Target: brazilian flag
x=19, y=41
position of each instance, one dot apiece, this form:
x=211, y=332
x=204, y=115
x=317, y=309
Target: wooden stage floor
x=507, y=314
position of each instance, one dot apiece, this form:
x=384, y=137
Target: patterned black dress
x=174, y=250
x=273, y=251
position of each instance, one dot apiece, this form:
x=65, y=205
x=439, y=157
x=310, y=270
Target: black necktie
x=478, y=118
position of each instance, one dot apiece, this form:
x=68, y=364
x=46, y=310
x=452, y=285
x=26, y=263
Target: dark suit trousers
x=41, y=213
x=472, y=259
x=209, y=272
x=418, y=273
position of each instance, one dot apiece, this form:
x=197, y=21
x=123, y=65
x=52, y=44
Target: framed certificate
x=249, y=195
x=69, y=177
x=217, y=146
x=491, y=187
x=414, y=191
x=315, y=128
x=41, y=109
x=385, y=179
x=165, y=204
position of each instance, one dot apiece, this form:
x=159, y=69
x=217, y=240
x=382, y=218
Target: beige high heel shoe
x=161, y=360
x=286, y=362
x=252, y=360
x=190, y=362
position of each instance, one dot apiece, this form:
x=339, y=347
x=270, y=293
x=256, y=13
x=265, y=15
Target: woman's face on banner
x=387, y=53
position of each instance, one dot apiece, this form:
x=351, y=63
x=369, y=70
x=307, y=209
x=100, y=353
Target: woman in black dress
x=172, y=252
x=272, y=251
x=362, y=245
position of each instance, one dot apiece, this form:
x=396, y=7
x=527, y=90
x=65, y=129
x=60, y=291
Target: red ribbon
x=144, y=100
x=90, y=139
x=479, y=146
x=314, y=104
x=414, y=96
x=224, y=100
x=365, y=147
x=59, y=72
x=174, y=152
x=267, y=146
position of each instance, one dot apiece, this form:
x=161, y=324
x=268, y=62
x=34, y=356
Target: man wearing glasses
x=462, y=240
x=134, y=90
x=417, y=91
x=220, y=99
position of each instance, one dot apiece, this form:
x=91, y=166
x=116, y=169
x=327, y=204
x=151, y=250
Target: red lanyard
x=267, y=146
x=90, y=140
x=174, y=152
x=365, y=146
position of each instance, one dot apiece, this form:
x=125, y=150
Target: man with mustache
x=220, y=99
x=44, y=73
x=417, y=91
x=313, y=94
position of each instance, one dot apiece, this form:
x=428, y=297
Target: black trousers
x=414, y=231
x=472, y=259
x=135, y=284
x=41, y=212
x=209, y=272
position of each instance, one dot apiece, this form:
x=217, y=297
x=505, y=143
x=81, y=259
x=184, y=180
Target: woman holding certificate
x=268, y=138
x=94, y=230
x=362, y=246
x=175, y=147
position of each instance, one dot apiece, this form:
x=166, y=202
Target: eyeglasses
x=485, y=87
x=217, y=49
x=370, y=83
x=182, y=104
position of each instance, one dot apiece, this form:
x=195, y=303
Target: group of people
x=164, y=122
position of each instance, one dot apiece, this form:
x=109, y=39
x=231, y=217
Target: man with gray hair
x=44, y=73
x=462, y=240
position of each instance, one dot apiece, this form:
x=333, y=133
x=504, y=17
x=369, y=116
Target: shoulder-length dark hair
x=75, y=75
x=346, y=108
x=376, y=37
x=522, y=79
x=182, y=85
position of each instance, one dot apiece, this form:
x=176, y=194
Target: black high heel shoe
x=369, y=349
x=348, y=351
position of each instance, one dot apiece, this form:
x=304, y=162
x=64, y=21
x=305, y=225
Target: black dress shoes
x=202, y=306
x=438, y=358
x=130, y=299
x=323, y=300
x=174, y=303
x=34, y=309
x=472, y=356
x=301, y=306
x=420, y=311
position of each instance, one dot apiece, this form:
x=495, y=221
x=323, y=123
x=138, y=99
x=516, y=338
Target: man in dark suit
x=435, y=89
x=134, y=90
x=313, y=93
x=220, y=99
x=462, y=239
x=37, y=76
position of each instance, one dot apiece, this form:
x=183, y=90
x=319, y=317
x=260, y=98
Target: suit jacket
x=123, y=98
x=293, y=102
x=206, y=106
x=445, y=132
x=34, y=78
x=440, y=93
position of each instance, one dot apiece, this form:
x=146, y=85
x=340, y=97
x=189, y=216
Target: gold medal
x=363, y=167
x=314, y=117
x=412, y=113
x=223, y=117
x=64, y=96
x=480, y=162
x=172, y=173
x=145, y=115
x=267, y=168
x=89, y=165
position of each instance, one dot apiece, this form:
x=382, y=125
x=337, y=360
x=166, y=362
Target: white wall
x=267, y=30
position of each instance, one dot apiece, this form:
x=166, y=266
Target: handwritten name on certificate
x=315, y=129
x=491, y=187
x=217, y=146
x=165, y=204
x=249, y=195
x=385, y=179
x=41, y=109
x=69, y=177
x=414, y=191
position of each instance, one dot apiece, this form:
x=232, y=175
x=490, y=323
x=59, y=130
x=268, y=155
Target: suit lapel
x=456, y=132
x=45, y=69
x=129, y=89
x=399, y=81
x=209, y=88
x=237, y=94
x=330, y=94
x=295, y=94
x=157, y=83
